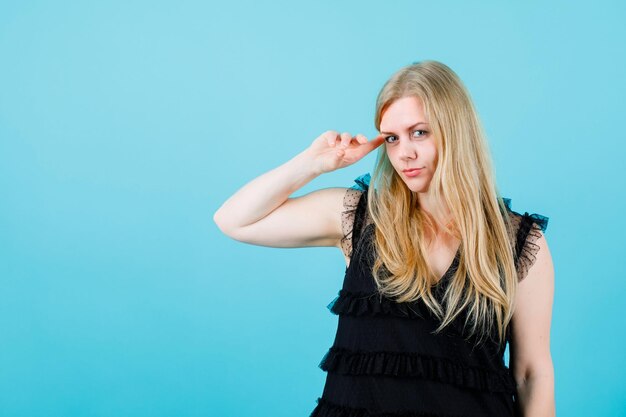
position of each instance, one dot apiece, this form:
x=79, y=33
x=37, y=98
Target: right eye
x=387, y=139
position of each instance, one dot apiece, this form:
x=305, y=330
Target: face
x=409, y=142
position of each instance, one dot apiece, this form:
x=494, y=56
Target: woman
x=441, y=272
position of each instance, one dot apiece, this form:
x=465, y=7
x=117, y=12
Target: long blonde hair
x=485, y=281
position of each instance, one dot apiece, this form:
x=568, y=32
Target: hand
x=332, y=151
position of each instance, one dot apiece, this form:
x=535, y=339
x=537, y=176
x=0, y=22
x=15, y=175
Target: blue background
x=125, y=125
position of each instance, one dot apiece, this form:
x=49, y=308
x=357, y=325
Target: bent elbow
x=228, y=227
x=221, y=222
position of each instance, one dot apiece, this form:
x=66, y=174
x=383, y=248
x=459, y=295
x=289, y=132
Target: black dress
x=386, y=362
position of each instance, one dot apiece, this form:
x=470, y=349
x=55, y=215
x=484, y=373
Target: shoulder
x=355, y=194
x=353, y=212
x=527, y=220
x=527, y=235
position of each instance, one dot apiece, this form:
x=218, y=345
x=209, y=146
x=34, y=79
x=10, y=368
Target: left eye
x=423, y=132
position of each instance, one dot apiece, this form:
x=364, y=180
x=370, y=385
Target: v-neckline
x=451, y=268
x=446, y=274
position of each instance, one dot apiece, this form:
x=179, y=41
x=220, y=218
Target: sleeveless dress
x=385, y=362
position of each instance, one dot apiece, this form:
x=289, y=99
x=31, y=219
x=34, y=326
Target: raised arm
x=262, y=213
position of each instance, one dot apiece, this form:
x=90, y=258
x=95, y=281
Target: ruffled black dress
x=385, y=360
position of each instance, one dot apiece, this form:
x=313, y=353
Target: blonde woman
x=441, y=272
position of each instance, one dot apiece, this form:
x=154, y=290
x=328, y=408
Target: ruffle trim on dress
x=540, y=221
x=362, y=182
x=326, y=408
x=349, y=214
x=529, y=230
x=405, y=364
x=529, y=234
x=373, y=304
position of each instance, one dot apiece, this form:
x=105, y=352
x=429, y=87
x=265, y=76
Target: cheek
x=393, y=158
x=431, y=151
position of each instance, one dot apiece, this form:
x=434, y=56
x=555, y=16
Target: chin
x=416, y=186
x=419, y=190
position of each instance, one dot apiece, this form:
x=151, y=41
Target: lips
x=413, y=172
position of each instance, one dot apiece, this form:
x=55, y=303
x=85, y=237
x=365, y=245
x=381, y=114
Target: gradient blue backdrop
x=124, y=125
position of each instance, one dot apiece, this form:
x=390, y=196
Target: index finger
x=373, y=144
x=378, y=139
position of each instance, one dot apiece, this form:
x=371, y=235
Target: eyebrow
x=410, y=127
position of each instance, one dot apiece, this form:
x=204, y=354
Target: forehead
x=403, y=112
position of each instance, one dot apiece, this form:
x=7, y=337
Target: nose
x=407, y=150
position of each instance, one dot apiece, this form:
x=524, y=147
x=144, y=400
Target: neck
x=427, y=204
